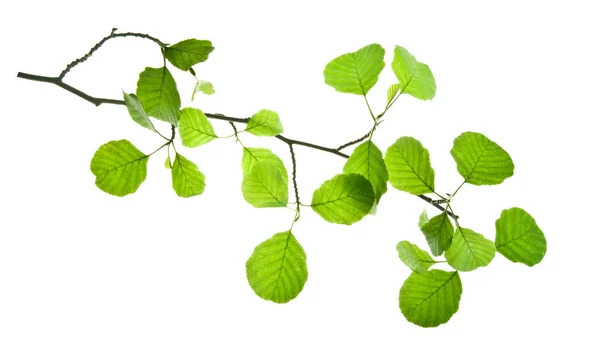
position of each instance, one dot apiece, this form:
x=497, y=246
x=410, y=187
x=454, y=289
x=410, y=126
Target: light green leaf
x=158, y=93
x=277, y=270
x=430, y=299
x=409, y=166
x=415, y=78
x=120, y=168
x=187, y=179
x=253, y=156
x=265, y=123
x=168, y=163
x=345, y=199
x=423, y=219
x=188, y=53
x=519, y=238
x=264, y=186
x=204, y=87
x=416, y=259
x=356, y=72
x=194, y=128
x=469, y=250
x=367, y=160
x=392, y=91
x=481, y=161
x=136, y=111
x=438, y=231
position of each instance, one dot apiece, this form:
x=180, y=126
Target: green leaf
x=136, y=111
x=158, y=93
x=423, y=219
x=367, y=160
x=415, y=78
x=204, y=87
x=392, y=91
x=416, y=259
x=345, y=199
x=430, y=299
x=168, y=163
x=194, y=128
x=120, y=168
x=187, y=179
x=519, y=238
x=409, y=166
x=469, y=250
x=438, y=231
x=188, y=53
x=277, y=270
x=265, y=123
x=253, y=156
x=264, y=186
x=481, y=161
x=356, y=72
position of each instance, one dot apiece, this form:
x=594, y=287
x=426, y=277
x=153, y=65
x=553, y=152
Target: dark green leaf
x=136, y=111
x=264, y=186
x=519, y=238
x=481, y=161
x=188, y=53
x=253, y=156
x=345, y=199
x=120, y=168
x=265, y=123
x=194, y=128
x=356, y=72
x=157, y=91
x=438, y=231
x=469, y=250
x=430, y=299
x=416, y=259
x=415, y=78
x=187, y=179
x=409, y=166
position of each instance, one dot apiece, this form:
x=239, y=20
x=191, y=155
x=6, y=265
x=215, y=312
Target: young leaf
x=438, y=231
x=187, y=179
x=157, y=91
x=519, y=238
x=136, y=111
x=168, y=164
x=277, y=270
x=409, y=166
x=194, y=128
x=264, y=186
x=481, y=161
x=392, y=91
x=204, y=87
x=423, y=219
x=367, y=160
x=188, y=53
x=416, y=259
x=265, y=123
x=120, y=168
x=430, y=299
x=469, y=250
x=415, y=78
x=253, y=156
x=355, y=72
x=345, y=199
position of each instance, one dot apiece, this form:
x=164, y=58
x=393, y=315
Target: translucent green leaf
x=481, y=161
x=430, y=299
x=415, y=78
x=120, y=168
x=519, y=238
x=345, y=199
x=168, y=163
x=277, y=270
x=409, y=166
x=265, y=123
x=187, y=179
x=392, y=91
x=416, y=259
x=367, y=160
x=264, y=186
x=439, y=232
x=204, y=87
x=136, y=111
x=355, y=72
x=253, y=156
x=188, y=53
x=469, y=250
x=423, y=219
x=194, y=128
x=158, y=93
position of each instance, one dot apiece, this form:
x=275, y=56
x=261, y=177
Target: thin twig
x=294, y=177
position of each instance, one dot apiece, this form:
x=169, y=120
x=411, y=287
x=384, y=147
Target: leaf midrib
x=435, y=292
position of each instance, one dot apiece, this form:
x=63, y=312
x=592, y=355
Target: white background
x=85, y=275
